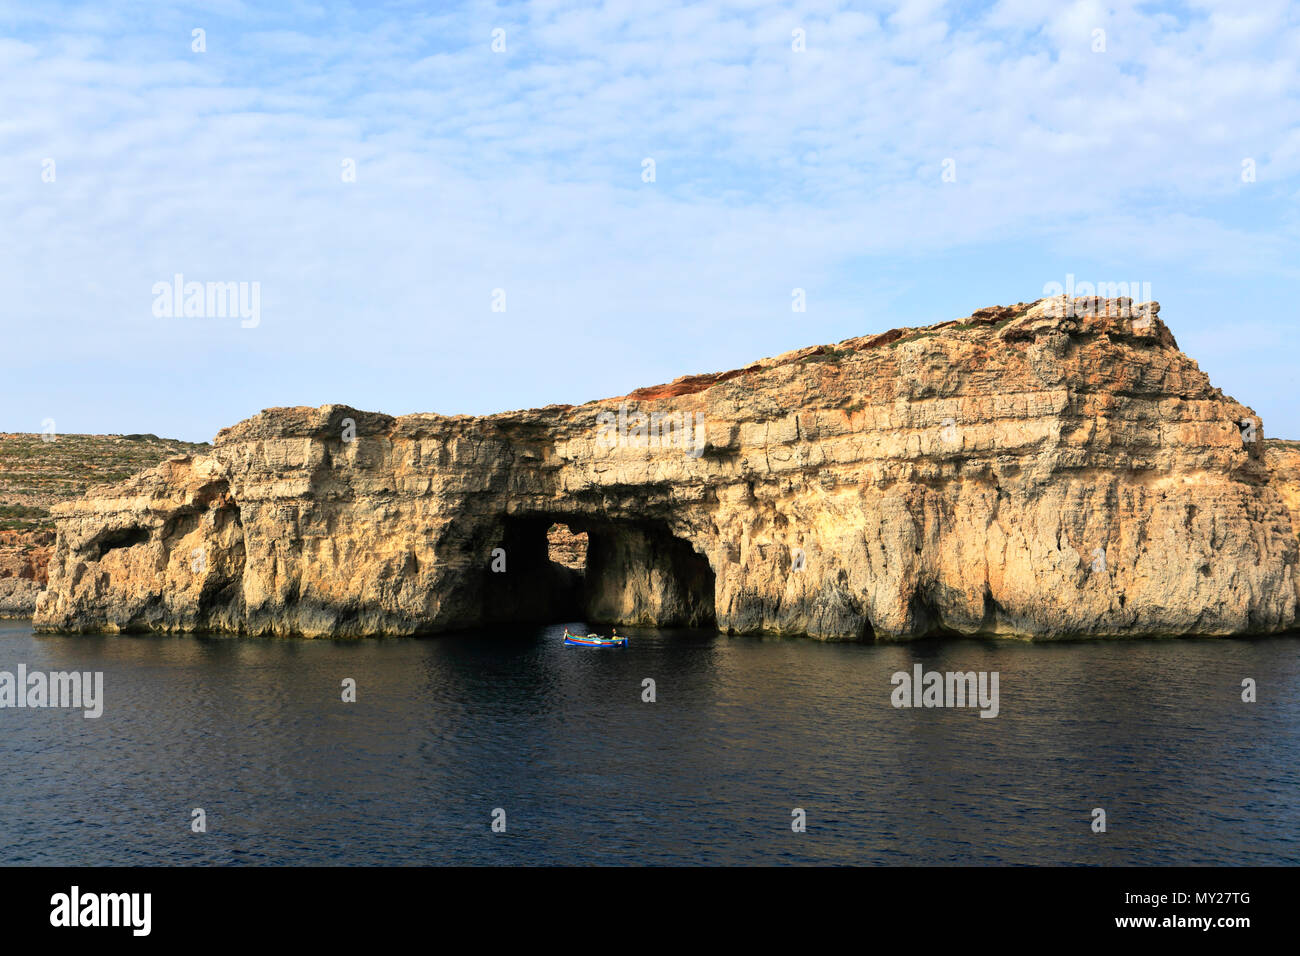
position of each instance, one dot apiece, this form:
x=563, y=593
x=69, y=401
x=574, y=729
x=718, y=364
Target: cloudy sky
x=1164, y=149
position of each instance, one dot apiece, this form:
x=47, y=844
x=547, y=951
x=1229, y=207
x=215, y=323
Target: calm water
x=447, y=729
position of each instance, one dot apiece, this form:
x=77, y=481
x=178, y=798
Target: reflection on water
x=447, y=729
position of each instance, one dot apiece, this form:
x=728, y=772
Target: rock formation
x=1052, y=469
x=37, y=472
x=1283, y=461
x=566, y=547
x=24, y=559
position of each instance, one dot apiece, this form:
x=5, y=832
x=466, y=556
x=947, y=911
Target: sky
x=471, y=208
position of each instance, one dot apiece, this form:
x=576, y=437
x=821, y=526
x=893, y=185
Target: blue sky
x=522, y=170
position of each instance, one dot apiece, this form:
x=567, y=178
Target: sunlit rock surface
x=1022, y=472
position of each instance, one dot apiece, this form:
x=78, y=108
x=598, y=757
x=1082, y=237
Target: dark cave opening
x=568, y=567
x=119, y=538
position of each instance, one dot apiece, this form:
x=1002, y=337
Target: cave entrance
x=566, y=567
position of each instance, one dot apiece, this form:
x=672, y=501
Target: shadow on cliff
x=634, y=573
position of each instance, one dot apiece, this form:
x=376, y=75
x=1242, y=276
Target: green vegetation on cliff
x=37, y=473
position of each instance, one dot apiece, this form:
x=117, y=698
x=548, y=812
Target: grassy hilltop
x=36, y=474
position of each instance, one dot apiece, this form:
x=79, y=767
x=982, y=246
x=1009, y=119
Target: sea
x=506, y=747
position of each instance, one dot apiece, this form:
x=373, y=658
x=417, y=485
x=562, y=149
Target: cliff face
x=1021, y=472
x=24, y=560
x=1283, y=461
x=37, y=472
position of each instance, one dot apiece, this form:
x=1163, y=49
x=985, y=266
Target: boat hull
x=584, y=642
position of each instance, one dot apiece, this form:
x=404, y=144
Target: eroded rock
x=1030, y=471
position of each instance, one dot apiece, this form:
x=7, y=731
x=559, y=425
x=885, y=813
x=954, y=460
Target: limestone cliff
x=1283, y=460
x=1047, y=470
x=39, y=470
x=24, y=559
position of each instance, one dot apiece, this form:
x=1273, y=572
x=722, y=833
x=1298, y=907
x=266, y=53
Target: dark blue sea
x=449, y=732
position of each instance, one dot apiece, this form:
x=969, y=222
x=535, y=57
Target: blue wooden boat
x=593, y=640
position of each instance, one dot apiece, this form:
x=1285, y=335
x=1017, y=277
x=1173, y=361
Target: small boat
x=593, y=640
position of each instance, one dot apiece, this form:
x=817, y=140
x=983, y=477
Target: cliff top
x=37, y=471
x=1022, y=322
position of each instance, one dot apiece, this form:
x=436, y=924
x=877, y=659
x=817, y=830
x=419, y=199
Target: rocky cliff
x=39, y=471
x=1283, y=461
x=1050, y=470
x=24, y=560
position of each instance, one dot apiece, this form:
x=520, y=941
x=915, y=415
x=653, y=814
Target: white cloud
x=523, y=170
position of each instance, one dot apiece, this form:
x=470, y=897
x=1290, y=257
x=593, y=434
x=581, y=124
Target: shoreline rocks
x=24, y=561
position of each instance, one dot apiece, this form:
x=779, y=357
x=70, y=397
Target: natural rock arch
x=961, y=478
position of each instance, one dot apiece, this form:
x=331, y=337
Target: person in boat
x=613, y=635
